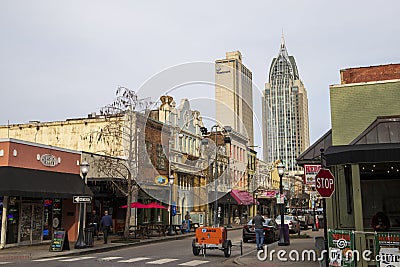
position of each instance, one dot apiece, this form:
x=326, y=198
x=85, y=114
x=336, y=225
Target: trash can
x=89, y=232
x=285, y=232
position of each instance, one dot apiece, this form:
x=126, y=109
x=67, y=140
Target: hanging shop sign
x=310, y=171
x=341, y=247
x=161, y=180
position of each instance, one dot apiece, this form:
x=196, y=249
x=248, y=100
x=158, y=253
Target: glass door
x=31, y=223
x=37, y=222
x=26, y=225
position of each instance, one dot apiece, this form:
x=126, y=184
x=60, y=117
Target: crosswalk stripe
x=135, y=259
x=109, y=258
x=52, y=259
x=78, y=259
x=161, y=261
x=4, y=262
x=193, y=263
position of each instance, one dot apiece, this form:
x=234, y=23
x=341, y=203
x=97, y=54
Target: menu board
x=59, y=242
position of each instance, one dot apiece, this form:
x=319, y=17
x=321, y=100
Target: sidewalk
x=297, y=244
x=33, y=252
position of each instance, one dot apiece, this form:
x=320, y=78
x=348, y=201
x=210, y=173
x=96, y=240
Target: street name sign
x=82, y=199
x=325, y=183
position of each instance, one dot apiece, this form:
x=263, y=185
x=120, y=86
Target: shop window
x=380, y=192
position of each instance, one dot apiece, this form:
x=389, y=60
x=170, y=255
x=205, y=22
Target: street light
x=80, y=243
x=282, y=233
x=227, y=140
x=314, y=226
x=171, y=183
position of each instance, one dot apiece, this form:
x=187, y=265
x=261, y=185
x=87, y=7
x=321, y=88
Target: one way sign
x=82, y=199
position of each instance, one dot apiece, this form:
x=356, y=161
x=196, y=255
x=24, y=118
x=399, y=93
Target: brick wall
x=370, y=74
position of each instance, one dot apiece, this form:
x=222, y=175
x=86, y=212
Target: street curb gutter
x=121, y=246
x=237, y=259
x=117, y=246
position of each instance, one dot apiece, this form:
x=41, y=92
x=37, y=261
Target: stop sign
x=325, y=183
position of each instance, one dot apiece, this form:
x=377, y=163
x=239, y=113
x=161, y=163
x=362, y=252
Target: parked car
x=292, y=221
x=271, y=231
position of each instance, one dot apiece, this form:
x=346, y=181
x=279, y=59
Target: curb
x=116, y=246
x=119, y=245
x=269, y=246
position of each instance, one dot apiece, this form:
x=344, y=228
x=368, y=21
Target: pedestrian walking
x=105, y=225
x=258, y=224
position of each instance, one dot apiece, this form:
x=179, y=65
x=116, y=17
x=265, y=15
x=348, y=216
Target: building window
x=161, y=158
x=149, y=149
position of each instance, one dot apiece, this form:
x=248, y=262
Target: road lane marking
x=193, y=263
x=135, y=259
x=162, y=261
x=52, y=259
x=5, y=262
x=109, y=258
x=78, y=259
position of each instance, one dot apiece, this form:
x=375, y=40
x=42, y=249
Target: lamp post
x=80, y=243
x=216, y=224
x=229, y=211
x=171, y=183
x=282, y=234
x=227, y=140
x=314, y=226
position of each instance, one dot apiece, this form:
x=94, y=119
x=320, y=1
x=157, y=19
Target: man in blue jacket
x=105, y=225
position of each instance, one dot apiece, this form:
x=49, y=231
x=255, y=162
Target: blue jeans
x=259, y=237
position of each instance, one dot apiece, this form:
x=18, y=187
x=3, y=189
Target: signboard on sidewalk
x=59, y=242
x=387, y=246
x=341, y=245
x=309, y=173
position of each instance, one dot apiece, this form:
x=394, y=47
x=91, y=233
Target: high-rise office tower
x=234, y=94
x=285, y=112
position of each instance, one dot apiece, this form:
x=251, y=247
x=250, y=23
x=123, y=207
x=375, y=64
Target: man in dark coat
x=105, y=225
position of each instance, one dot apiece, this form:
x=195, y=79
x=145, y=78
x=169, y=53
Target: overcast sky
x=65, y=59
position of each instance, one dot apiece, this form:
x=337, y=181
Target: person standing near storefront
x=258, y=224
x=94, y=222
x=105, y=225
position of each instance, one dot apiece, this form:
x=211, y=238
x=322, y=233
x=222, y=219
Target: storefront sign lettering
x=49, y=160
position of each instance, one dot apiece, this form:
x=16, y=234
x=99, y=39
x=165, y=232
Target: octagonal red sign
x=325, y=183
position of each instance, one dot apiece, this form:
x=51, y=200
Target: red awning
x=243, y=197
x=155, y=205
x=136, y=205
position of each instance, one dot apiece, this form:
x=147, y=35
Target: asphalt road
x=171, y=253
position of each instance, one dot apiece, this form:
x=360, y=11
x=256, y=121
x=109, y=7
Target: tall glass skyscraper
x=285, y=112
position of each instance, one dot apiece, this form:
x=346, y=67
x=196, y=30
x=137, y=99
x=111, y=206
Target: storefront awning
x=242, y=197
x=36, y=183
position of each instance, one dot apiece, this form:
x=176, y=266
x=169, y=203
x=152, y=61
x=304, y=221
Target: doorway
x=31, y=223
